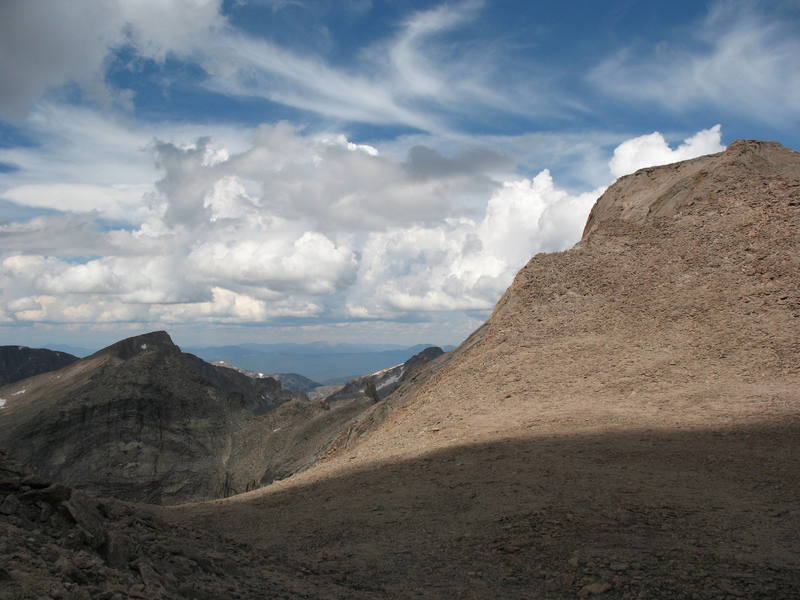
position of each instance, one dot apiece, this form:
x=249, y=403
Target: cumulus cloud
x=652, y=149
x=299, y=226
x=293, y=226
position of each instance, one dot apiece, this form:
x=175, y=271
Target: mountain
x=139, y=420
x=296, y=382
x=143, y=421
x=324, y=363
x=625, y=425
x=289, y=381
x=386, y=380
x=19, y=362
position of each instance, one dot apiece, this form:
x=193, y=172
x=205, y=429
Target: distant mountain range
x=322, y=362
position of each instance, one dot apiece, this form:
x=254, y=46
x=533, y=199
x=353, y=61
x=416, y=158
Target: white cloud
x=298, y=226
x=740, y=60
x=414, y=78
x=465, y=264
x=83, y=161
x=118, y=202
x=417, y=74
x=310, y=264
x=45, y=45
x=652, y=149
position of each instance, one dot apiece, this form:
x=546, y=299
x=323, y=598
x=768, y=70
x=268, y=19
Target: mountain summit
x=765, y=170
x=133, y=346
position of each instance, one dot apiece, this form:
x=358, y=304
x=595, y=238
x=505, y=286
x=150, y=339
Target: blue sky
x=288, y=170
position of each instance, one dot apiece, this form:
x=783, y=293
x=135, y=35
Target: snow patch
x=2, y=402
x=143, y=346
x=390, y=380
x=17, y=393
x=382, y=371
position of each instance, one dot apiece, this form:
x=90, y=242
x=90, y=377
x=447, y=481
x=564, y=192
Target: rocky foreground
x=57, y=542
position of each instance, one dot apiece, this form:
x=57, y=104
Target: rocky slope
x=139, y=420
x=625, y=425
x=386, y=380
x=20, y=362
x=57, y=542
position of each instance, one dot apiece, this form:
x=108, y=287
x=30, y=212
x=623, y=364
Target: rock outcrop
x=57, y=542
x=20, y=362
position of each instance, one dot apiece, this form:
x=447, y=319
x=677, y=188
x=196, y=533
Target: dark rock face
x=20, y=362
x=139, y=420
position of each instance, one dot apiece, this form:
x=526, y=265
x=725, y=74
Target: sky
x=346, y=171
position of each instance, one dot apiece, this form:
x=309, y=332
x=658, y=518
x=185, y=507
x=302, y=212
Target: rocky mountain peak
x=701, y=185
x=133, y=346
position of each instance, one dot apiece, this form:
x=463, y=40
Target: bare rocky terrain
x=626, y=425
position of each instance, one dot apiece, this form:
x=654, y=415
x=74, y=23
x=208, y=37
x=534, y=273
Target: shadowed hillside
x=139, y=420
x=627, y=514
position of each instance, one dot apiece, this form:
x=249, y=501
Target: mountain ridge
x=138, y=420
x=21, y=362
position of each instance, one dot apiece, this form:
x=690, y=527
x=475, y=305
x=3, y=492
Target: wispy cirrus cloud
x=409, y=79
x=738, y=60
x=412, y=79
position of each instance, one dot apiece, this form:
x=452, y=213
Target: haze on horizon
x=358, y=171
